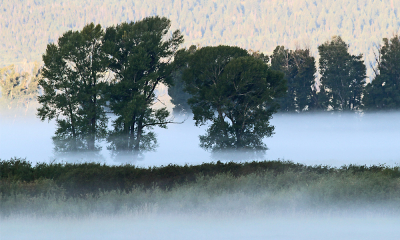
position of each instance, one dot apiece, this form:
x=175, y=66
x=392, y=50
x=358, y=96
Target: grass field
x=210, y=188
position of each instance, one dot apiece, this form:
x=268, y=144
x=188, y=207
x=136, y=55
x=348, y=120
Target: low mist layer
x=196, y=227
x=259, y=200
x=320, y=138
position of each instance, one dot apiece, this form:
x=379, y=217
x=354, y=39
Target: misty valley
x=123, y=131
x=181, y=190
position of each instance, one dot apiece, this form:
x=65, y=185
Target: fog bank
x=197, y=227
x=319, y=138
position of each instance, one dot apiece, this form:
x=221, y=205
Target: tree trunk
x=73, y=143
x=139, y=135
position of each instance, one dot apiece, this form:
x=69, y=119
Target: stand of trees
x=75, y=92
x=229, y=87
x=341, y=85
x=94, y=71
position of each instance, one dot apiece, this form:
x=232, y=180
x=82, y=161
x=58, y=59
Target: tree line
x=340, y=86
x=92, y=72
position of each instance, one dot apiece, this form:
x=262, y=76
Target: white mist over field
x=314, y=138
x=197, y=227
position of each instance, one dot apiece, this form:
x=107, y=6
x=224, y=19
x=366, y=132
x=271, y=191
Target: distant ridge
x=27, y=26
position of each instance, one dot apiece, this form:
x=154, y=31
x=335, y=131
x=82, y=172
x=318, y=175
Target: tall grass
x=256, y=187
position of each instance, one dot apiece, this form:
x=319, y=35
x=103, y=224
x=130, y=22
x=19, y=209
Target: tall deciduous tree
x=236, y=93
x=383, y=93
x=342, y=75
x=140, y=55
x=72, y=89
x=299, y=69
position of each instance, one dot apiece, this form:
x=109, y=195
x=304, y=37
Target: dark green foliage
x=72, y=89
x=319, y=100
x=82, y=180
x=236, y=93
x=383, y=93
x=342, y=75
x=140, y=58
x=269, y=186
x=299, y=69
x=93, y=178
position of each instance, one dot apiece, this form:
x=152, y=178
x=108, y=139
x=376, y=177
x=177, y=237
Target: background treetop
x=383, y=93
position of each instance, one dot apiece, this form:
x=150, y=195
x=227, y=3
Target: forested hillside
x=27, y=26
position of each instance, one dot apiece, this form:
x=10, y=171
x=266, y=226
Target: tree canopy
x=299, y=69
x=72, y=89
x=383, y=93
x=342, y=75
x=141, y=55
x=236, y=92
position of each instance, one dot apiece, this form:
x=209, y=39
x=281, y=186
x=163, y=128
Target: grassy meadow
x=85, y=189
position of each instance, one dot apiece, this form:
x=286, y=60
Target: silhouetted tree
x=236, y=93
x=299, y=69
x=72, y=89
x=383, y=93
x=342, y=75
x=140, y=55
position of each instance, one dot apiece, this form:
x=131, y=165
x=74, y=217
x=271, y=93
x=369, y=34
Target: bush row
x=81, y=179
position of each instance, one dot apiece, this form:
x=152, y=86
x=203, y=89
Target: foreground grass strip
x=267, y=186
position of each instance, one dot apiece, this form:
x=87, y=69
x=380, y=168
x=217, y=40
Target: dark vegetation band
x=80, y=179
